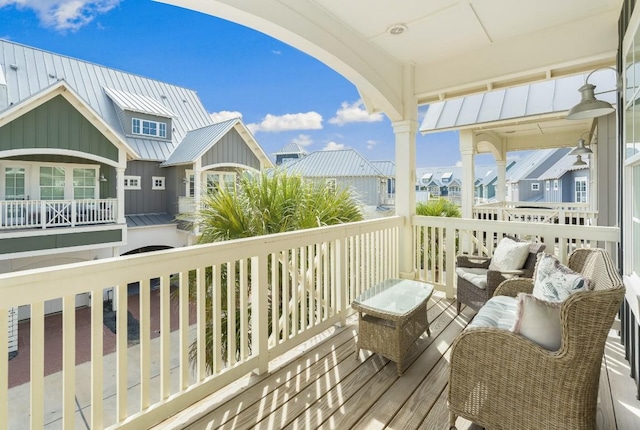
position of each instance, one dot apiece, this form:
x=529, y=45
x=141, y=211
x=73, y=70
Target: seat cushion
x=509, y=255
x=498, y=312
x=553, y=281
x=477, y=277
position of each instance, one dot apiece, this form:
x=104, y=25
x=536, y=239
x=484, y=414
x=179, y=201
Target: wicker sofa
x=502, y=380
x=474, y=296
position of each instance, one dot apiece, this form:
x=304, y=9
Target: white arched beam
x=309, y=28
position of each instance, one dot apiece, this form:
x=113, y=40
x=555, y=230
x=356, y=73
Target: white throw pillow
x=554, y=282
x=509, y=255
x=539, y=321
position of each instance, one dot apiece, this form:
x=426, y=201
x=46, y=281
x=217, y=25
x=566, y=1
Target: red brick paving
x=19, y=367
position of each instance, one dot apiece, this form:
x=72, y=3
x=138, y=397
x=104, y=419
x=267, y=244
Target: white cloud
x=458, y=163
x=302, y=140
x=64, y=14
x=290, y=121
x=333, y=146
x=224, y=115
x=277, y=52
x=354, y=112
x=371, y=144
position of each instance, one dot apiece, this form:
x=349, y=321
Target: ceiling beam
x=309, y=28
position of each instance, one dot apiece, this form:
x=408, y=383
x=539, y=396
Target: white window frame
x=555, y=185
x=535, y=186
x=132, y=182
x=139, y=123
x=578, y=197
x=158, y=183
x=631, y=136
x=331, y=183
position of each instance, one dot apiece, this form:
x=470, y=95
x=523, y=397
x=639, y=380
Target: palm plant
x=440, y=207
x=263, y=204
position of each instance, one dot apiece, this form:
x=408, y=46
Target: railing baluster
x=145, y=342
x=201, y=326
x=216, y=298
x=244, y=309
x=37, y=365
x=165, y=336
x=231, y=313
x=275, y=298
x=303, y=288
x=183, y=305
x=97, y=372
x=68, y=361
x=325, y=279
x=295, y=285
x=286, y=309
x=122, y=346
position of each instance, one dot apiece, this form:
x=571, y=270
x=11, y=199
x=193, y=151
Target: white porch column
x=120, y=194
x=468, y=176
x=405, y=131
x=502, y=180
x=197, y=189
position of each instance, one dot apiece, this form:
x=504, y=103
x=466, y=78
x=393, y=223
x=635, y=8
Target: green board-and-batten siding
x=56, y=241
x=56, y=125
x=231, y=148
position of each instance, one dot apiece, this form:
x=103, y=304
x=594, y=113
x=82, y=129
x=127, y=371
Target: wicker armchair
x=501, y=380
x=474, y=296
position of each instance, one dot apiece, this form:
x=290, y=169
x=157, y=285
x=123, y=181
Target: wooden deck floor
x=325, y=386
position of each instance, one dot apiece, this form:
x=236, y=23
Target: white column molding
x=467, y=152
x=197, y=189
x=502, y=180
x=120, y=194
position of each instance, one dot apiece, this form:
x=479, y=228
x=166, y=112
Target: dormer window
x=148, y=128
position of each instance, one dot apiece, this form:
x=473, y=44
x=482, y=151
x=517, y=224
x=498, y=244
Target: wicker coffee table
x=392, y=315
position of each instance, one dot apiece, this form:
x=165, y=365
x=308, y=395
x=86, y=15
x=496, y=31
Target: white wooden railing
x=438, y=240
x=56, y=213
x=270, y=293
x=538, y=212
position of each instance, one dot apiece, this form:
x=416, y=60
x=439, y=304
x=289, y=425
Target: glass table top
x=395, y=296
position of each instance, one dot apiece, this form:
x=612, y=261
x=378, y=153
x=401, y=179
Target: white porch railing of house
x=56, y=213
x=539, y=212
x=186, y=205
x=438, y=240
x=284, y=289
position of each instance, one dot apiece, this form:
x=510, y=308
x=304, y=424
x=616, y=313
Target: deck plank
x=326, y=387
x=379, y=370
x=626, y=406
x=605, y=416
x=406, y=402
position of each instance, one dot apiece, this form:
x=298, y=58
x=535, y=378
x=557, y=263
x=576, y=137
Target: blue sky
x=282, y=94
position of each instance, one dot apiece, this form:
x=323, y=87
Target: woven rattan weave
x=501, y=380
x=392, y=316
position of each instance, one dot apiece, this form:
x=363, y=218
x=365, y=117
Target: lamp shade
x=589, y=106
x=581, y=149
x=579, y=161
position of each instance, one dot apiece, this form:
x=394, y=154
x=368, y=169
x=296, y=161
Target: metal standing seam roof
x=388, y=168
x=564, y=165
x=137, y=103
x=197, y=142
x=524, y=167
x=36, y=69
x=545, y=97
x=147, y=220
x=291, y=148
x=480, y=171
x=340, y=163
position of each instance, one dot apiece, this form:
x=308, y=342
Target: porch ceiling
x=457, y=47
